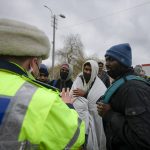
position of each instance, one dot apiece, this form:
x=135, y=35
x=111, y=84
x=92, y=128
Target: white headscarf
x=86, y=107
x=94, y=73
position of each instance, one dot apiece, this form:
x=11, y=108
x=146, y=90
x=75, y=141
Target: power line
x=108, y=15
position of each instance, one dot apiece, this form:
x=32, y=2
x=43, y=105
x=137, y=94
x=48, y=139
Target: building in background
x=146, y=68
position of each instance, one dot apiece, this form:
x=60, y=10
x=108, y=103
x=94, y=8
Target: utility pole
x=54, y=19
x=53, y=51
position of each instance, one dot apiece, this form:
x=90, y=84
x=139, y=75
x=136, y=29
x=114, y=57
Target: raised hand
x=66, y=97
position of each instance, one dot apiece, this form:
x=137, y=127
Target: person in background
x=43, y=74
x=86, y=89
x=65, y=80
x=103, y=74
x=125, y=107
x=32, y=116
x=140, y=72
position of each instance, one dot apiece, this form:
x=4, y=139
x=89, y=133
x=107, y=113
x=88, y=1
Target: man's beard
x=87, y=77
x=114, y=73
x=63, y=75
x=120, y=71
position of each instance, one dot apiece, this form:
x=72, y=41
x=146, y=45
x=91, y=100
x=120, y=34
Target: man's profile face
x=87, y=72
x=111, y=63
x=114, y=68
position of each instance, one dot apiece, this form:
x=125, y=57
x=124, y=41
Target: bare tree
x=72, y=50
x=73, y=53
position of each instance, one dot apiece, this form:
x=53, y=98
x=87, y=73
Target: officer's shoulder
x=45, y=85
x=40, y=84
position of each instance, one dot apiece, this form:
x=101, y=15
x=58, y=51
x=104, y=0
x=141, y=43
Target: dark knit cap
x=122, y=53
x=43, y=69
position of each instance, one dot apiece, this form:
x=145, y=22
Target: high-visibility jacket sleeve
x=52, y=123
x=62, y=124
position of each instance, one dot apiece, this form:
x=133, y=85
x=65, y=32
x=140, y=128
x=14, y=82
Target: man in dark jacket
x=126, y=116
x=103, y=74
x=65, y=80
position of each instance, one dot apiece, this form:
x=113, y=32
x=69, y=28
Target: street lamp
x=54, y=23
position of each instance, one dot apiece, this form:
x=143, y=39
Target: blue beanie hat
x=43, y=69
x=122, y=53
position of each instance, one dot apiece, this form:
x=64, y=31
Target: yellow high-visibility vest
x=34, y=117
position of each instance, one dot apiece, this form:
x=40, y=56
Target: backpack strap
x=116, y=85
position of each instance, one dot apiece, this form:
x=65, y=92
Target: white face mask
x=31, y=70
x=34, y=69
x=30, y=73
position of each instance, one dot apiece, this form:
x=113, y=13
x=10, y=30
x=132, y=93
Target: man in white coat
x=86, y=90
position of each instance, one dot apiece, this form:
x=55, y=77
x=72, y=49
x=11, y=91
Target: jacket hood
x=70, y=68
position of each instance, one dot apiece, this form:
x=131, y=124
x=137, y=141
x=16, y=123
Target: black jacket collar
x=6, y=65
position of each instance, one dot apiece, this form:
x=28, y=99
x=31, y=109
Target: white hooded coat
x=87, y=110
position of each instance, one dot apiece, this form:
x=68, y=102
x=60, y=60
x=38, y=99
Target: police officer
x=31, y=116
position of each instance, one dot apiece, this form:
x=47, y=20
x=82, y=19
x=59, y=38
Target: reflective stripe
x=12, y=121
x=28, y=146
x=15, y=145
x=75, y=137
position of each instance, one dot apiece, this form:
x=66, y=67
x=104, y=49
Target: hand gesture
x=78, y=92
x=66, y=97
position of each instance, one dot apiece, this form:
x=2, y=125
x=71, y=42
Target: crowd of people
x=87, y=113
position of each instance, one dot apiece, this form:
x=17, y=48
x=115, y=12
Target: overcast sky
x=100, y=23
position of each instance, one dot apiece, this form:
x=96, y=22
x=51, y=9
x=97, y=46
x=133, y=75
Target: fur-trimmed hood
x=21, y=39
